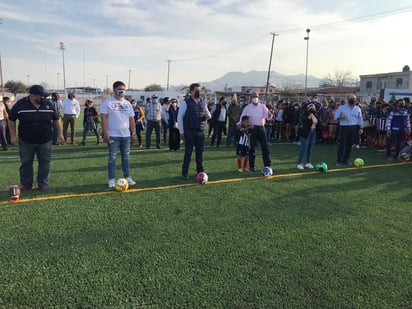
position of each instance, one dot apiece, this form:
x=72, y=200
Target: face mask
x=255, y=100
x=155, y=101
x=121, y=93
x=174, y=104
x=241, y=103
x=197, y=94
x=296, y=108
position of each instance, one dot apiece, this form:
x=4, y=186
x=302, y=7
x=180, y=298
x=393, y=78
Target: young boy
x=243, y=145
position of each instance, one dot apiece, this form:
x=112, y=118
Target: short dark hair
x=245, y=118
x=118, y=83
x=193, y=86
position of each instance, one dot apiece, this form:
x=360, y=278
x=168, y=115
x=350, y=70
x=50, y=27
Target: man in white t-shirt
x=119, y=130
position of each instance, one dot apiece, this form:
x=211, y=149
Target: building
x=386, y=85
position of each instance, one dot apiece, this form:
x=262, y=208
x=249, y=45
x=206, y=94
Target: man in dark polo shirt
x=36, y=116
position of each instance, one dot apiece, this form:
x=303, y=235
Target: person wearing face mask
x=71, y=109
x=350, y=124
x=174, y=135
x=218, y=113
x=233, y=113
x=191, y=119
x=153, y=114
x=397, y=124
x=257, y=113
x=36, y=116
x=119, y=131
x=307, y=136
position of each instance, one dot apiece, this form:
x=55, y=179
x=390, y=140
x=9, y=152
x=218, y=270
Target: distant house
x=259, y=89
x=378, y=85
x=335, y=93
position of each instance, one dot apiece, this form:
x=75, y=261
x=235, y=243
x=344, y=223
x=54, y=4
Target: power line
x=317, y=27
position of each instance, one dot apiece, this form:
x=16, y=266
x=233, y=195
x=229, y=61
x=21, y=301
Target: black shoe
x=252, y=170
x=185, y=177
x=158, y=147
x=82, y=144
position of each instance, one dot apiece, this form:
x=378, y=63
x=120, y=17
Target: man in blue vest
x=192, y=117
x=397, y=125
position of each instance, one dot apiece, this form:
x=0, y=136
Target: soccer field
x=295, y=239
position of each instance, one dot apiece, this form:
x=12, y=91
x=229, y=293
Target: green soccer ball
x=322, y=167
x=358, y=162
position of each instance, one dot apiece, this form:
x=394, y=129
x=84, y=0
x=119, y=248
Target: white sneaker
x=131, y=181
x=111, y=183
x=300, y=167
x=308, y=165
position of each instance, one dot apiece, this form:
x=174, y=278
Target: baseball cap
x=39, y=90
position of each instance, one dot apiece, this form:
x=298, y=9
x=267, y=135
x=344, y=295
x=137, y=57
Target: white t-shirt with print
x=118, y=114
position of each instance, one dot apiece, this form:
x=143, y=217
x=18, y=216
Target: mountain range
x=234, y=80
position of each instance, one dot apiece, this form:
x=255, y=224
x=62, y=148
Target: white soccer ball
x=202, y=178
x=267, y=171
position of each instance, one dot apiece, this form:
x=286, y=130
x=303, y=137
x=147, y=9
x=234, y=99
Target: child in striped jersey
x=243, y=145
x=381, y=125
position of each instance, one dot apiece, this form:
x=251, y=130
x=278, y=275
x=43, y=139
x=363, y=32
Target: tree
x=15, y=87
x=337, y=79
x=153, y=87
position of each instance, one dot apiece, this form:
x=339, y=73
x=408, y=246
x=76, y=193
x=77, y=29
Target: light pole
x=270, y=62
x=58, y=81
x=63, y=48
x=107, y=84
x=307, y=53
x=168, y=72
x=130, y=74
x=28, y=80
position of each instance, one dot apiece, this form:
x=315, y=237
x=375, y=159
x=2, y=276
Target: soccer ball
x=14, y=193
x=267, y=171
x=405, y=156
x=202, y=178
x=321, y=167
x=358, y=162
x=121, y=185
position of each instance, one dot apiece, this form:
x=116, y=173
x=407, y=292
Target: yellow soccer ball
x=358, y=162
x=121, y=185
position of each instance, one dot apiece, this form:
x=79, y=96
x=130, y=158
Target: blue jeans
x=306, y=145
x=116, y=144
x=43, y=154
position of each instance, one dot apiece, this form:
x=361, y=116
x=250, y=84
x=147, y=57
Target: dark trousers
x=396, y=139
x=3, y=138
x=85, y=130
x=232, y=133
x=217, y=132
x=258, y=135
x=150, y=126
x=174, y=139
x=347, y=135
x=165, y=128
x=194, y=139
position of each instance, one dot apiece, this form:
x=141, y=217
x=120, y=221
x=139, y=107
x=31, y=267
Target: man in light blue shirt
x=350, y=124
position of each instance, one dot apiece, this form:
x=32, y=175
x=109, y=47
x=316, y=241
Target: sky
x=132, y=40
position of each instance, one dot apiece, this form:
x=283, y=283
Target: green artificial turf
x=340, y=239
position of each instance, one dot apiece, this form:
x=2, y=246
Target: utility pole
x=130, y=73
x=63, y=48
x=270, y=62
x=1, y=78
x=168, y=71
x=1, y=73
x=307, y=53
